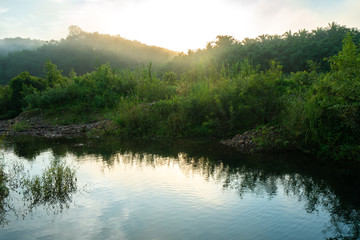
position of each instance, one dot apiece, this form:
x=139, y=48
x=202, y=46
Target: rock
x=246, y=142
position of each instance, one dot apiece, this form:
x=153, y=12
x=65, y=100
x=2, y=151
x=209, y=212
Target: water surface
x=178, y=189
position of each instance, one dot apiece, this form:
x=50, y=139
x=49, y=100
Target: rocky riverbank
x=267, y=138
x=32, y=125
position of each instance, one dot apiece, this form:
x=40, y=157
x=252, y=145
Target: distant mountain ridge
x=80, y=51
x=8, y=45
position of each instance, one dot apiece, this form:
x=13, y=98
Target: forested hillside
x=8, y=45
x=82, y=51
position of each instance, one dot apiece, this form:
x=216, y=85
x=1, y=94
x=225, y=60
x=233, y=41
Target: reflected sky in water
x=180, y=190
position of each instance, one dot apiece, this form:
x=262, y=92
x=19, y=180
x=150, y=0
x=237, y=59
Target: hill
x=82, y=51
x=8, y=45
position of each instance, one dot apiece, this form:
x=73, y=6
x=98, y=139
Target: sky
x=174, y=24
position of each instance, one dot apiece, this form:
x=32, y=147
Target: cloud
x=193, y=23
x=59, y=1
x=189, y=23
x=276, y=17
x=3, y=10
x=279, y=16
x=349, y=13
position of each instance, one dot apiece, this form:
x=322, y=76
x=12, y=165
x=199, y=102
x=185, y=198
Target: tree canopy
x=292, y=50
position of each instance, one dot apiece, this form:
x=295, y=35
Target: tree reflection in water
x=313, y=193
x=53, y=190
x=258, y=174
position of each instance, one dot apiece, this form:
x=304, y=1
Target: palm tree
x=287, y=35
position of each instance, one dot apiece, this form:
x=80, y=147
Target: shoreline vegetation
x=297, y=91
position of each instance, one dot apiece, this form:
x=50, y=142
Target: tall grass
x=208, y=105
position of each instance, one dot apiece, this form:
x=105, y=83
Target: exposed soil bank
x=26, y=124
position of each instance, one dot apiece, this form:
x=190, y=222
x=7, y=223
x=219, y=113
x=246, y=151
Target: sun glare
x=177, y=26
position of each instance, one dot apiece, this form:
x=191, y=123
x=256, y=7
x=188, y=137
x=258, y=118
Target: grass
x=75, y=114
x=20, y=126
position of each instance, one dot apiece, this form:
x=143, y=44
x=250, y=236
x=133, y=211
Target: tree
x=22, y=85
x=53, y=74
x=74, y=32
x=224, y=41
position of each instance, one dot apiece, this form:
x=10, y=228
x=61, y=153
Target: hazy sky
x=174, y=24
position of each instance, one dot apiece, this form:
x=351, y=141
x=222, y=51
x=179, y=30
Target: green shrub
x=6, y=110
x=326, y=118
x=21, y=86
x=135, y=120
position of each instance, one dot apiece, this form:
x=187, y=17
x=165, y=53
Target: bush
x=5, y=103
x=21, y=86
x=326, y=118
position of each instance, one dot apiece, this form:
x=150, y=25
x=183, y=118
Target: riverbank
x=264, y=138
x=32, y=124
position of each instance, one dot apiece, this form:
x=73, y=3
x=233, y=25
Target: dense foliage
x=291, y=50
x=216, y=95
x=326, y=114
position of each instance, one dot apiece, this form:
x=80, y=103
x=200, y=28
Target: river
x=173, y=189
